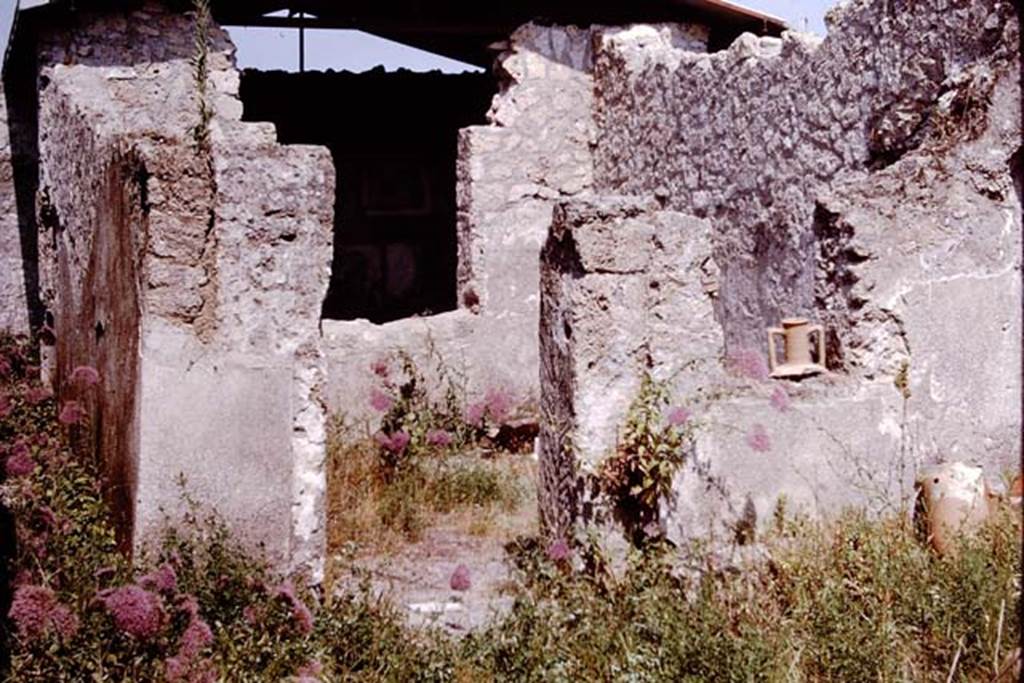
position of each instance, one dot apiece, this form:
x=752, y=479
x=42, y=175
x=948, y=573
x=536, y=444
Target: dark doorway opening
x=393, y=136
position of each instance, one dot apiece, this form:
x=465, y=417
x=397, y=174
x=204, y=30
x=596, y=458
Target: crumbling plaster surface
x=865, y=181
x=14, y=310
x=927, y=253
x=748, y=136
x=230, y=255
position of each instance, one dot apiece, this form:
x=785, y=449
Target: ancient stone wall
x=536, y=149
x=13, y=301
x=746, y=137
x=535, y=152
x=196, y=265
x=866, y=181
x=394, y=252
x=20, y=309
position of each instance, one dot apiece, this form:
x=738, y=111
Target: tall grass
x=376, y=507
x=856, y=599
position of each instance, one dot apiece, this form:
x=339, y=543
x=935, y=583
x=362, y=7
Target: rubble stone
x=747, y=137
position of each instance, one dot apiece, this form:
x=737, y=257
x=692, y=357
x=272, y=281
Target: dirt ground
x=416, y=576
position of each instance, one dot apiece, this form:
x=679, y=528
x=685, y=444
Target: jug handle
x=820, y=329
x=772, y=331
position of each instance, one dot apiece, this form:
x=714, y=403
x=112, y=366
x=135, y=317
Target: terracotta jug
x=956, y=502
x=796, y=333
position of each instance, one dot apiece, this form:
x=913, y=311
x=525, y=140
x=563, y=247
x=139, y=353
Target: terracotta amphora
x=956, y=502
x=796, y=334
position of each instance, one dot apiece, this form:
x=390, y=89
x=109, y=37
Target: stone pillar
x=191, y=275
x=626, y=289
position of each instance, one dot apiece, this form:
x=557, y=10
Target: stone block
x=621, y=285
x=222, y=421
x=832, y=447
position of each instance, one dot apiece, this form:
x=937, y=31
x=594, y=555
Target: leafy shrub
x=652, y=446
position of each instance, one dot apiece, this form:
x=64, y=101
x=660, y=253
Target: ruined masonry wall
x=871, y=181
x=14, y=308
x=226, y=260
x=748, y=136
x=625, y=289
x=535, y=151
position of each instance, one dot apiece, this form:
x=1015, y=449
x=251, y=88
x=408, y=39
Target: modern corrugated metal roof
x=462, y=29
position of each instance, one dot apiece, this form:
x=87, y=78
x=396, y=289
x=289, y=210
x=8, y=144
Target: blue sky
x=266, y=48
x=795, y=12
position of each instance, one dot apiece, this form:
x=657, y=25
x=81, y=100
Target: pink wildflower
x=5, y=406
x=85, y=376
x=20, y=462
x=138, y=612
x=780, y=400
x=380, y=401
x=498, y=403
x=37, y=395
x=748, y=363
x=558, y=551
x=757, y=439
x=46, y=517
x=380, y=368
x=396, y=443
x=177, y=669
x=30, y=610
x=460, y=579
x=475, y=414
x=309, y=672
x=35, y=611
x=678, y=416
x=5, y=367
x=196, y=636
x=71, y=413
x=439, y=437
x=64, y=621
x=253, y=615
x=301, y=615
x=163, y=579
